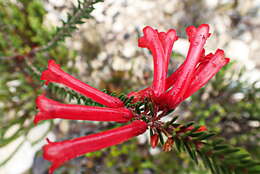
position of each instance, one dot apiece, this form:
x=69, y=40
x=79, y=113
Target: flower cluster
x=163, y=95
x=193, y=74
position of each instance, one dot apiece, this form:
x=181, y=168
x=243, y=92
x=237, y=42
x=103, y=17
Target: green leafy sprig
x=76, y=16
x=206, y=148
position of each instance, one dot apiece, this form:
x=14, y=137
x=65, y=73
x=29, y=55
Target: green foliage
x=215, y=155
x=21, y=28
x=24, y=50
x=76, y=16
x=230, y=107
x=63, y=93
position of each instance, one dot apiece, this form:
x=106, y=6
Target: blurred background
x=104, y=53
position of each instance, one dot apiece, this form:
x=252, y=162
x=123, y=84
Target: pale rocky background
x=112, y=36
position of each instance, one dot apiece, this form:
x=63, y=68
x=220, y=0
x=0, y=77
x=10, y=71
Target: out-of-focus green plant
x=21, y=30
x=25, y=46
x=231, y=105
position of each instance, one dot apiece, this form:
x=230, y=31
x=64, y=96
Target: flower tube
x=60, y=152
x=50, y=109
x=174, y=76
x=167, y=40
x=205, y=71
x=160, y=44
x=55, y=74
x=197, y=38
x=146, y=92
x=151, y=41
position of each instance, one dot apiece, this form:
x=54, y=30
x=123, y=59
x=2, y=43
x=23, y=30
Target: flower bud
x=168, y=145
x=154, y=140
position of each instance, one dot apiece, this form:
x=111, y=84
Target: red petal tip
x=145, y=29
x=142, y=42
x=220, y=51
x=36, y=119
x=154, y=140
x=204, y=26
x=227, y=60
x=141, y=125
x=51, y=63
x=45, y=107
x=149, y=31
x=204, y=30
x=172, y=34
x=48, y=76
x=50, y=153
x=190, y=30
x=53, y=167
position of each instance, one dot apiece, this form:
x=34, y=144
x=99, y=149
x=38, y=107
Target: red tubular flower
x=197, y=38
x=151, y=41
x=206, y=70
x=173, y=77
x=160, y=44
x=167, y=40
x=55, y=74
x=154, y=140
x=60, y=152
x=50, y=109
